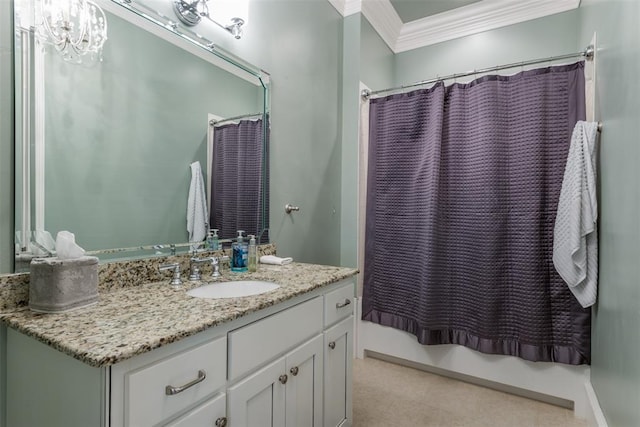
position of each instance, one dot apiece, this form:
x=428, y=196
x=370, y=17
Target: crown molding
x=346, y=7
x=471, y=19
x=476, y=18
x=384, y=19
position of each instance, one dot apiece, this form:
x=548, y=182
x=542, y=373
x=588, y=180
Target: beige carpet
x=386, y=394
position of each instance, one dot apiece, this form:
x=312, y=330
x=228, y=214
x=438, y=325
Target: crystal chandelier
x=76, y=28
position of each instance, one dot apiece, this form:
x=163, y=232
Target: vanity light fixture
x=76, y=28
x=190, y=12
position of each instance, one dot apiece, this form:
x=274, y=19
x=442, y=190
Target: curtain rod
x=587, y=54
x=245, y=116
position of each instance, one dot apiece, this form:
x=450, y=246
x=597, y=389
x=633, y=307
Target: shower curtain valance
x=463, y=187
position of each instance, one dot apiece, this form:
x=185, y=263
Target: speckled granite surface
x=132, y=320
x=14, y=288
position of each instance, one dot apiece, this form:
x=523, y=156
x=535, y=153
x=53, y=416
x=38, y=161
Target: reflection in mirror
x=105, y=150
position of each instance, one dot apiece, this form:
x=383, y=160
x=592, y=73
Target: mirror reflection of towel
x=197, y=206
x=575, y=237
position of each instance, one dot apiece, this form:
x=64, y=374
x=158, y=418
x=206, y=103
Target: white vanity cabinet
x=286, y=365
x=149, y=390
x=287, y=392
x=338, y=360
x=338, y=357
x=209, y=414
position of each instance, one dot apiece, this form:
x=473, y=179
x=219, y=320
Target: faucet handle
x=215, y=263
x=176, y=280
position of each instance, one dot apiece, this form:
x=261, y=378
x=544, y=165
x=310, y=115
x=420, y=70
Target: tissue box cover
x=58, y=285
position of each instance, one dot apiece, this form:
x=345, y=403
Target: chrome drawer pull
x=294, y=371
x=332, y=345
x=171, y=390
x=346, y=302
x=283, y=379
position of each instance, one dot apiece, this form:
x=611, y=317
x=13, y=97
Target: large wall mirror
x=105, y=146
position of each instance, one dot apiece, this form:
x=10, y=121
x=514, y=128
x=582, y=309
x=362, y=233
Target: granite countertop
x=130, y=321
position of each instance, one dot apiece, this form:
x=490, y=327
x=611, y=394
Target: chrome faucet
x=175, y=280
x=215, y=264
x=194, y=270
x=195, y=273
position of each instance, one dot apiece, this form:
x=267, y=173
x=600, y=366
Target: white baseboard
x=595, y=416
x=557, y=381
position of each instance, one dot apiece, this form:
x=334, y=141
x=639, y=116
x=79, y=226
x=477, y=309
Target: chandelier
x=76, y=28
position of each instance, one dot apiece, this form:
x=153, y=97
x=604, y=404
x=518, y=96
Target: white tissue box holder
x=58, y=285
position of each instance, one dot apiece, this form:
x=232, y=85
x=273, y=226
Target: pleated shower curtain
x=239, y=169
x=462, y=191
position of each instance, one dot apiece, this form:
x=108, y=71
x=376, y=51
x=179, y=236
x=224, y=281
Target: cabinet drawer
x=338, y=304
x=261, y=341
x=147, y=399
x=208, y=414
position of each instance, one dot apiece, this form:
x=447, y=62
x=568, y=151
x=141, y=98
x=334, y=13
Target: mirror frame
x=30, y=183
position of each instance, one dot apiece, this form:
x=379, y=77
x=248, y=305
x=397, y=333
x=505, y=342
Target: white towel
x=197, y=218
x=272, y=259
x=575, y=240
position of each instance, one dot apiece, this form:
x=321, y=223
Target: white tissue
x=272, y=259
x=66, y=247
x=43, y=242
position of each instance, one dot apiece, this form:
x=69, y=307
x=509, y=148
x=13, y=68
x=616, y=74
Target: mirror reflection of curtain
x=239, y=169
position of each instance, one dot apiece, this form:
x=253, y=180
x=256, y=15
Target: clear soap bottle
x=239, y=254
x=213, y=239
x=253, y=254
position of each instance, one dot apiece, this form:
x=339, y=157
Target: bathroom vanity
x=152, y=355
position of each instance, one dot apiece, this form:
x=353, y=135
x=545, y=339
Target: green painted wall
x=615, y=371
x=120, y=137
x=539, y=38
x=350, y=110
x=377, y=61
x=6, y=137
x=300, y=44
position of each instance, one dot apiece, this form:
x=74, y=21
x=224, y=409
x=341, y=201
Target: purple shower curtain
x=463, y=187
x=238, y=169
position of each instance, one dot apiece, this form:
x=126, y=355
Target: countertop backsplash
x=14, y=288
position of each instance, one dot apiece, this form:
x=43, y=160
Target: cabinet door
x=258, y=400
x=303, y=405
x=338, y=359
x=209, y=414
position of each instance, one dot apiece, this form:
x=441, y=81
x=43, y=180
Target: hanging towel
x=197, y=206
x=575, y=239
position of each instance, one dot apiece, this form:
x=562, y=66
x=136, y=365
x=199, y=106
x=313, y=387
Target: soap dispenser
x=213, y=240
x=253, y=254
x=239, y=252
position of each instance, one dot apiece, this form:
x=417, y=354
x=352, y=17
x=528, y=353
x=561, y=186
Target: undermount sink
x=235, y=289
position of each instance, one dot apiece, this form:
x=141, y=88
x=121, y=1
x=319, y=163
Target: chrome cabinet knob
x=332, y=345
x=221, y=422
x=283, y=379
x=294, y=371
